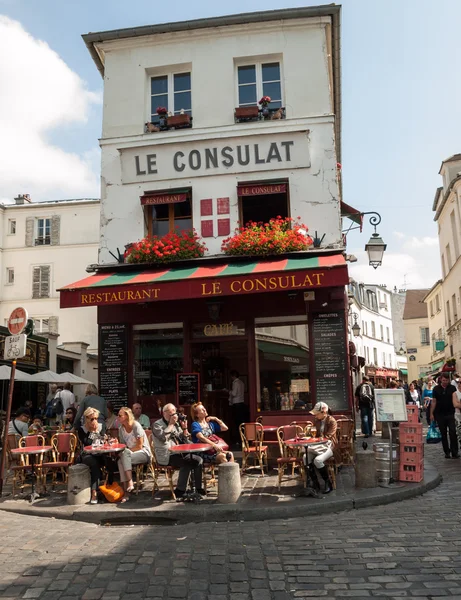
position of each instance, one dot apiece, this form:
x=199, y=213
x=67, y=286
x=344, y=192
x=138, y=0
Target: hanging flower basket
x=264, y=239
x=169, y=248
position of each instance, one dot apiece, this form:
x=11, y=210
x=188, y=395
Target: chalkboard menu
x=188, y=387
x=330, y=360
x=113, y=368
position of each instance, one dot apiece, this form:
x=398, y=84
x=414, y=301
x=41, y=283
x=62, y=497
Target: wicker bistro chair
x=158, y=470
x=63, y=454
x=22, y=466
x=288, y=456
x=252, y=435
x=345, y=434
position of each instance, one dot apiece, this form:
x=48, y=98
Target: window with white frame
x=41, y=281
x=388, y=335
x=384, y=359
x=173, y=92
x=448, y=255
x=381, y=329
x=390, y=360
x=375, y=356
x=424, y=336
x=437, y=303
x=43, y=232
x=41, y=324
x=9, y=276
x=257, y=80
x=373, y=329
x=11, y=226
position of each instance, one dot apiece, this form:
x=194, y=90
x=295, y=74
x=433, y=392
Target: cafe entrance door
x=214, y=361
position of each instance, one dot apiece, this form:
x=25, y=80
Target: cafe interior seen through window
x=158, y=357
x=165, y=218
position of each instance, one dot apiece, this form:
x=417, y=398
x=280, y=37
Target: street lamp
x=375, y=247
x=355, y=327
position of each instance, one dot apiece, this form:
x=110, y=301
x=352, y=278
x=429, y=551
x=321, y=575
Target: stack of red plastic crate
x=411, y=447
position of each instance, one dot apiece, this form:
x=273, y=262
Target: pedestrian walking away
x=443, y=412
x=365, y=402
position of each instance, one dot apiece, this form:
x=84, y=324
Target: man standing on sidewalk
x=365, y=402
x=443, y=412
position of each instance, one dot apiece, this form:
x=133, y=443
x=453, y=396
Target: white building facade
x=43, y=244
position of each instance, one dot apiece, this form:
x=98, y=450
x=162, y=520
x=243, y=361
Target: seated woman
x=137, y=451
x=203, y=429
x=69, y=418
x=88, y=433
x=318, y=454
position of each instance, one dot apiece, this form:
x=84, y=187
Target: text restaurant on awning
x=175, y=333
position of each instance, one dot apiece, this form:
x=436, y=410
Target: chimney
x=23, y=199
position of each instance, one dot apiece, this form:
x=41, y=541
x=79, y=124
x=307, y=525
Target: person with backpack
x=365, y=402
x=55, y=409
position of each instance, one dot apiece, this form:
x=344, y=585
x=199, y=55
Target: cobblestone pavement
x=409, y=549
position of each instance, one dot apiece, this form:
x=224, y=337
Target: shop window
x=158, y=357
x=173, y=92
x=263, y=201
x=257, y=80
x=165, y=218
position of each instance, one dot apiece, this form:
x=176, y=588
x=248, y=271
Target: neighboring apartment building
x=43, y=244
x=447, y=208
x=417, y=336
x=372, y=305
x=218, y=159
x=435, y=310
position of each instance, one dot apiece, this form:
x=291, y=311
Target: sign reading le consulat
x=215, y=157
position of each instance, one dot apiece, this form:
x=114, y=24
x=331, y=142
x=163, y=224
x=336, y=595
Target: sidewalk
x=260, y=501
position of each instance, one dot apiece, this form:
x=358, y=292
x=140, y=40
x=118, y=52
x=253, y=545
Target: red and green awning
x=173, y=283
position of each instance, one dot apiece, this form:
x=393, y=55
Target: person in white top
x=237, y=402
x=67, y=397
x=457, y=405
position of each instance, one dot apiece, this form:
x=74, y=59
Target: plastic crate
x=412, y=453
x=413, y=413
x=410, y=458
x=410, y=433
x=412, y=473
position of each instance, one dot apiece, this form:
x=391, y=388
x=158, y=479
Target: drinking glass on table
x=313, y=432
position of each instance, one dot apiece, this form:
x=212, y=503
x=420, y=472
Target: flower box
x=174, y=246
x=247, y=112
x=179, y=121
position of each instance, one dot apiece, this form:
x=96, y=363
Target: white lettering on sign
x=266, y=152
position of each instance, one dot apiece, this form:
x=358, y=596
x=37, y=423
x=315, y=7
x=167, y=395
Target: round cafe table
x=305, y=443
x=32, y=451
x=270, y=428
x=104, y=448
x=191, y=494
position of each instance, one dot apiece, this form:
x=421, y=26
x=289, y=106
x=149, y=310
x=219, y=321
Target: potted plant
x=247, y=112
x=180, y=120
x=176, y=245
x=163, y=115
x=278, y=236
x=264, y=103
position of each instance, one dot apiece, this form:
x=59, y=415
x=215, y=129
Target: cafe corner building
x=187, y=143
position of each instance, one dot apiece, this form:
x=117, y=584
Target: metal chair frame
x=62, y=452
x=289, y=456
x=252, y=436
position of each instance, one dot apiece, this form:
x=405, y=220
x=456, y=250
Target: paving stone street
x=408, y=549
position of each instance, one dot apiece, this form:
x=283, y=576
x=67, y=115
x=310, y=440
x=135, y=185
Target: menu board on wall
x=113, y=368
x=330, y=360
x=188, y=388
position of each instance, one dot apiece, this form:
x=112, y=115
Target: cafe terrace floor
x=260, y=500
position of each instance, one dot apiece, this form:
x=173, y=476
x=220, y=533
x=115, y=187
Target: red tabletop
x=105, y=448
x=31, y=450
x=189, y=448
x=270, y=427
x=302, y=443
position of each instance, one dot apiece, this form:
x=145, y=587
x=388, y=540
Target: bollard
x=229, y=484
x=78, y=485
x=365, y=470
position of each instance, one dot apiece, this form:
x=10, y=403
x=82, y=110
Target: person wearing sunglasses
x=88, y=433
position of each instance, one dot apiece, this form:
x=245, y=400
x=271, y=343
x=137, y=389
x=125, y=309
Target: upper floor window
x=165, y=218
x=173, y=92
x=448, y=315
x=431, y=306
x=448, y=255
x=262, y=201
x=41, y=281
x=388, y=335
x=455, y=309
x=373, y=329
x=9, y=276
x=11, y=226
x=43, y=232
x=437, y=303
x=424, y=336
x=375, y=356
x=381, y=331
x=258, y=80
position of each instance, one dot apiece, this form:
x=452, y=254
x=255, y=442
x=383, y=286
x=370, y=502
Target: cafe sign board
x=390, y=405
x=220, y=156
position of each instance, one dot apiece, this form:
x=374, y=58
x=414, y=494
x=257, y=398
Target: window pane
x=273, y=90
x=159, y=85
x=157, y=101
x=160, y=228
x=247, y=94
x=182, y=209
x=183, y=224
x=182, y=101
x=271, y=72
x=247, y=74
x=160, y=211
x=182, y=82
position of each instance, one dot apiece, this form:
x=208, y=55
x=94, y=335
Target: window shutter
x=45, y=282
x=55, y=230
x=36, y=282
x=30, y=224
x=53, y=324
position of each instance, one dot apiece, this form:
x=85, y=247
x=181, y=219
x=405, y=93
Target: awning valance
x=404, y=371
x=303, y=273
x=283, y=352
x=165, y=197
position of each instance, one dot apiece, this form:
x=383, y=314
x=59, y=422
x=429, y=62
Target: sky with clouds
x=400, y=95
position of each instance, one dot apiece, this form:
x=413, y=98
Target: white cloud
x=39, y=92
x=424, y=242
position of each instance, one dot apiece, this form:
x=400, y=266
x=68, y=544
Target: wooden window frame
x=171, y=217
x=241, y=198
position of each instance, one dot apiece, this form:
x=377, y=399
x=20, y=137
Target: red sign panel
x=163, y=199
x=223, y=206
x=223, y=227
x=261, y=189
x=17, y=320
x=206, y=207
x=210, y=287
x=207, y=228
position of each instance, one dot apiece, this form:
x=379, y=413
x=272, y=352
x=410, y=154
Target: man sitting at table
x=318, y=454
x=20, y=424
x=142, y=419
x=167, y=432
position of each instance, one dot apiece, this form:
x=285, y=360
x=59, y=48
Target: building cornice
x=450, y=188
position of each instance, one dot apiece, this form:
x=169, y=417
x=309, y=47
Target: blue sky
x=401, y=108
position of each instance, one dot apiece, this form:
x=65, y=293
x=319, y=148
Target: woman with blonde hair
x=88, y=433
x=204, y=429
x=137, y=451
x=92, y=400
